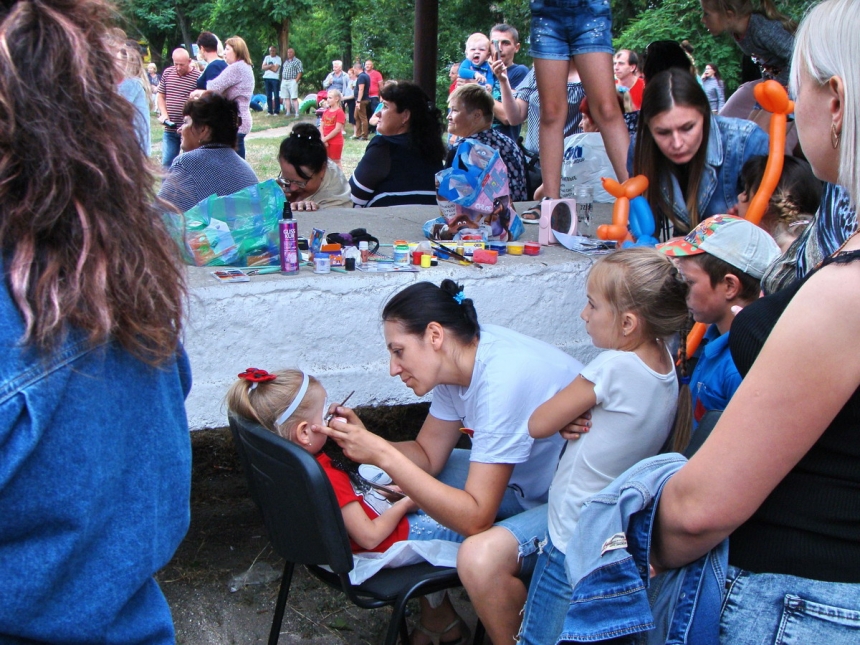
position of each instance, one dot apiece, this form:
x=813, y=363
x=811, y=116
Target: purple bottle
x=288, y=237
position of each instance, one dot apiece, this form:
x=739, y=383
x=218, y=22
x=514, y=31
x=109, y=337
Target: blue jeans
x=528, y=527
x=787, y=610
x=562, y=29
x=169, y=147
x=548, y=599
x=240, y=145
x=424, y=527
x=273, y=99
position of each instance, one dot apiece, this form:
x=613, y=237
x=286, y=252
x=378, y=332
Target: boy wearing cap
x=722, y=260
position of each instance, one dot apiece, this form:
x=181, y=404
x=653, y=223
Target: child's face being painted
x=601, y=322
x=478, y=50
x=302, y=433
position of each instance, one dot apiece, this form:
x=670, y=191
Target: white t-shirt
x=272, y=60
x=631, y=421
x=513, y=375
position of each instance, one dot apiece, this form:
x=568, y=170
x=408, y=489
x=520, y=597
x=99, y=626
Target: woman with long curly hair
x=94, y=446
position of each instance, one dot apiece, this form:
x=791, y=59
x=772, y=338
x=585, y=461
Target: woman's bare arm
x=468, y=511
x=807, y=370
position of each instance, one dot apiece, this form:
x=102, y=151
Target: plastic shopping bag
x=237, y=230
x=474, y=197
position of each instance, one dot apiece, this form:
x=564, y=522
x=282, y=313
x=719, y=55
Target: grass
x=262, y=153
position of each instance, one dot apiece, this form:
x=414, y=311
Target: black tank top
x=809, y=526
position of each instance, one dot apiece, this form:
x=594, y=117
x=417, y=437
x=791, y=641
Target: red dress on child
x=330, y=118
x=345, y=493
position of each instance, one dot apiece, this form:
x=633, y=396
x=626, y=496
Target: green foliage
x=682, y=19
x=679, y=20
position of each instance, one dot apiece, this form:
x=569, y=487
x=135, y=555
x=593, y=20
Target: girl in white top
x=636, y=299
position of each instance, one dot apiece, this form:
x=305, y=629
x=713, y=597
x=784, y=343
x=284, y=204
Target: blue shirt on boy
x=469, y=69
x=715, y=378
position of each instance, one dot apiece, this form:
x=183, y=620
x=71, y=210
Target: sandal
x=532, y=215
x=436, y=637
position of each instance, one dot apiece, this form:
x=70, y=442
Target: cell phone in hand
x=496, y=53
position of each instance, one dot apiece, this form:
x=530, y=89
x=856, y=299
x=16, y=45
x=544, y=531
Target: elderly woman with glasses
x=309, y=178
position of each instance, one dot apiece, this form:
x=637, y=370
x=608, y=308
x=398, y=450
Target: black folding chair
x=306, y=527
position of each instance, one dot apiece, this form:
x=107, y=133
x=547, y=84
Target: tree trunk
x=283, y=30
x=156, y=49
x=186, y=31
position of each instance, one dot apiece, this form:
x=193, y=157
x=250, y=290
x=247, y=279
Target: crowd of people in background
x=759, y=526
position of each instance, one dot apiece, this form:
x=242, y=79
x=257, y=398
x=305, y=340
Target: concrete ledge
x=330, y=324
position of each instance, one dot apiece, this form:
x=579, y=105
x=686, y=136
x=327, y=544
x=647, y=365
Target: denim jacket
x=731, y=143
x=607, y=565
x=95, y=474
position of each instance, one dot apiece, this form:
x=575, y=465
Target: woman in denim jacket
x=780, y=473
x=692, y=159
x=94, y=446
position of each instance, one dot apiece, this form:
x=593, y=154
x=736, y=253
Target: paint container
x=516, y=248
x=349, y=264
x=416, y=257
x=434, y=262
x=425, y=261
x=364, y=249
x=335, y=254
x=531, y=248
x=401, y=252
x=322, y=262
x=485, y=256
x=500, y=248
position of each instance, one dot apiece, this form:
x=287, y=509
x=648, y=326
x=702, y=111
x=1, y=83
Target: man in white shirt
x=272, y=80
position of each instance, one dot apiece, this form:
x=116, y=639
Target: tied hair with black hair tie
x=422, y=303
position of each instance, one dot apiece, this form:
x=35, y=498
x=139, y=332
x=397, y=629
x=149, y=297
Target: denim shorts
x=548, y=599
x=787, y=610
x=528, y=527
x=562, y=29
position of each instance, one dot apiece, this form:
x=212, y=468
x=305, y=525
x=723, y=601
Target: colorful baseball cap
x=732, y=239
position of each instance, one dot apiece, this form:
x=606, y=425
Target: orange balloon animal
x=773, y=98
x=622, y=193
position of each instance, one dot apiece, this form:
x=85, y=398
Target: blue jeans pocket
x=804, y=622
x=788, y=610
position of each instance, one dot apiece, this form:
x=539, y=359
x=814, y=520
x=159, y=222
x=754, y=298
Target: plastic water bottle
x=568, y=177
x=584, y=196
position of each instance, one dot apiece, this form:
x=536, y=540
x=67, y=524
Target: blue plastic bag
x=474, y=197
x=235, y=230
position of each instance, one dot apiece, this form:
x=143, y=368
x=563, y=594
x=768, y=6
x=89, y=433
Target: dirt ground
x=227, y=538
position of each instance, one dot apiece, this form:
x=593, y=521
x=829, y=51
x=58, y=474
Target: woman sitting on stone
x=210, y=164
x=399, y=165
x=470, y=116
x=309, y=178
